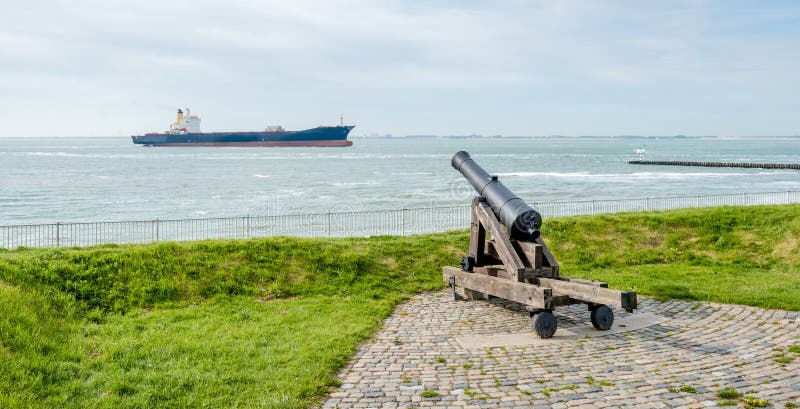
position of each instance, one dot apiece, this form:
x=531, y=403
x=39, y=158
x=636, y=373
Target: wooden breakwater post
x=718, y=164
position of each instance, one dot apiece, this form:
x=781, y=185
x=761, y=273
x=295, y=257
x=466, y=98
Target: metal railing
x=341, y=224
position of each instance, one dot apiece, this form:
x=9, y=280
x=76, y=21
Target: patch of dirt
x=454, y=250
x=747, y=237
x=708, y=253
x=567, y=245
x=653, y=241
x=788, y=250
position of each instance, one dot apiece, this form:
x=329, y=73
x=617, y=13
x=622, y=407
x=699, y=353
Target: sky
x=404, y=67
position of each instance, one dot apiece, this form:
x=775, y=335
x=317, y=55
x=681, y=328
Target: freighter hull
x=321, y=136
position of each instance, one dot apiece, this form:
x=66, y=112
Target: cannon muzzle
x=522, y=221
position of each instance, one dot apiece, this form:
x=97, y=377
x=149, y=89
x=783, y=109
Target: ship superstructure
x=184, y=124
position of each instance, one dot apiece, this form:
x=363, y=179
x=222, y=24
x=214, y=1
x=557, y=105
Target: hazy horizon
x=467, y=136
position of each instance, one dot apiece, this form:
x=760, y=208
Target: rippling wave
x=90, y=179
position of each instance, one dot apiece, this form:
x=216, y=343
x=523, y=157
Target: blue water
x=46, y=180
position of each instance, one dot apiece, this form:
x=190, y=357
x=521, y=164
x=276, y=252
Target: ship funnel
x=180, y=117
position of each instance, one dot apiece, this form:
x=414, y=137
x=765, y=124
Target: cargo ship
x=185, y=131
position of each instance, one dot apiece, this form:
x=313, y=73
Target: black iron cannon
x=520, y=219
x=508, y=259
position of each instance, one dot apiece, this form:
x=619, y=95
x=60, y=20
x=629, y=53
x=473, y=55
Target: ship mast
x=341, y=119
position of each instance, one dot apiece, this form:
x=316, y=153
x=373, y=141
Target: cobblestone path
x=694, y=350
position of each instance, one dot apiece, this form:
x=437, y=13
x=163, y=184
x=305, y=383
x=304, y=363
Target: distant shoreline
x=451, y=137
x=621, y=137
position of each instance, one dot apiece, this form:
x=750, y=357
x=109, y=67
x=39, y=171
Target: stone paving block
x=706, y=346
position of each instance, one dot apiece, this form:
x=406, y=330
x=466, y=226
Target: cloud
x=297, y=60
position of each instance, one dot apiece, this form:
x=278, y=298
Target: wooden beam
x=535, y=297
x=591, y=293
x=477, y=236
x=502, y=244
x=582, y=281
x=563, y=301
x=546, y=272
x=551, y=260
x=490, y=250
x=537, y=256
x=497, y=270
x=531, y=256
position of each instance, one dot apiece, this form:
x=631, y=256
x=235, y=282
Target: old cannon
x=508, y=259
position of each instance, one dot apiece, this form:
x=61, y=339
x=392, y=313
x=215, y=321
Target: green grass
x=268, y=322
x=729, y=393
x=120, y=278
x=224, y=353
x=257, y=323
x=738, y=255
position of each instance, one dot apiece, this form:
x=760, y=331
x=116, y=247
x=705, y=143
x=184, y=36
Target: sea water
x=45, y=180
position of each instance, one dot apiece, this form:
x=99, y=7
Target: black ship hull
x=320, y=136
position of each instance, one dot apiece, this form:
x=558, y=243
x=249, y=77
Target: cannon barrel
x=522, y=221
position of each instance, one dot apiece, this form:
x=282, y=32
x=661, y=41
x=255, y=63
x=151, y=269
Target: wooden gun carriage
x=508, y=259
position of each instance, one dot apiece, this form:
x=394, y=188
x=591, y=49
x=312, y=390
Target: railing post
x=120, y=232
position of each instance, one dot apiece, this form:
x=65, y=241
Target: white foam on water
x=638, y=176
x=785, y=184
x=290, y=193
x=367, y=183
x=142, y=155
x=52, y=154
x=60, y=180
x=547, y=174
x=412, y=173
x=246, y=157
x=383, y=156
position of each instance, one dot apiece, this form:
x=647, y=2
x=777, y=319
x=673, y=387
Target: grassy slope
x=263, y=323
x=741, y=255
x=268, y=322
